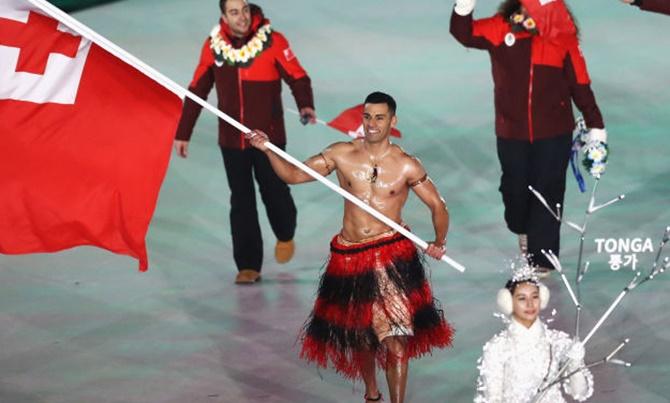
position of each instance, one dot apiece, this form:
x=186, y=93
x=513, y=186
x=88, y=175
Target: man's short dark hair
x=378, y=97
x=222, y=6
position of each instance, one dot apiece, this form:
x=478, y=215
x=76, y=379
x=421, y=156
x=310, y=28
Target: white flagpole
x=293, y=111
x=180, y=91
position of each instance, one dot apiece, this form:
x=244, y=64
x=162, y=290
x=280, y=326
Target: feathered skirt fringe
x=371, y=290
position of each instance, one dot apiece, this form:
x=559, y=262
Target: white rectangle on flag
x=60, y=81
x=84, y=149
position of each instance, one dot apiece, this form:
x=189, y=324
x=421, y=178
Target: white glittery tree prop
x=581, y=270
x=595, y=162
x=609, y=358
x=656, y=269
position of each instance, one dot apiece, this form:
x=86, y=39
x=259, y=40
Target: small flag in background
x=350, y=122
x=86, y=140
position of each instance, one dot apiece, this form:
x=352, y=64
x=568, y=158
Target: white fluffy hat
x=504, y=299
x=524, y=273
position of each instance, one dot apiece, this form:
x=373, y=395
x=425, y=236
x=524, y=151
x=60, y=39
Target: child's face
x=526, y=303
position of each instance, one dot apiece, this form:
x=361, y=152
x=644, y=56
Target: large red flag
x=350, y=122
x=85, y=140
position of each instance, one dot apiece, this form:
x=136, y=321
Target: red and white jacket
x=535, y=80
x=250, y=94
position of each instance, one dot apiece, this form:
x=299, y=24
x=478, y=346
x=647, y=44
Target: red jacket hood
x=553, y=19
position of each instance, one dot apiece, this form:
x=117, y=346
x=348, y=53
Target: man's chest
x=378, y=181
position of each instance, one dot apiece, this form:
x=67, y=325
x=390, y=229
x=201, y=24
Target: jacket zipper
x=241, y=95
x=530, y=103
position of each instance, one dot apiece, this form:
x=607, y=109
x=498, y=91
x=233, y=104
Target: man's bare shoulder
x=407, y=159
x=340, y=148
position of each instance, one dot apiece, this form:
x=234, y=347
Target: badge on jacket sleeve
x=288, y=54
x=510, y=39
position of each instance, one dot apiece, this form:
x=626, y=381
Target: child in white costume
x=524, y=358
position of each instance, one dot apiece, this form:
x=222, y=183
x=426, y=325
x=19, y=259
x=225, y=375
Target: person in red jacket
x=245, y=59
x=655, y=6
x=538, y=72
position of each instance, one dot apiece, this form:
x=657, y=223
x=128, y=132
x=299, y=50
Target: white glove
x=464, y=7
x=595, y=135
x=576, y=353
x=580, y=386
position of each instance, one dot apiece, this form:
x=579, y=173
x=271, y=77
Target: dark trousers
x=541, y=164
x=241, y=168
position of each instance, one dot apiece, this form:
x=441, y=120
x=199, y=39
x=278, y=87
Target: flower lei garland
x=595, y=153
x=224, y=52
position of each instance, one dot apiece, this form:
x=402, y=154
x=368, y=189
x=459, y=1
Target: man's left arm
x=582, y=94
x=425, y=189
x=295, y=76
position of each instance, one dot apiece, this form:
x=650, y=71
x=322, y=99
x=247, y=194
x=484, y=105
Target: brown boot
x=284, y=251
x=247, y=276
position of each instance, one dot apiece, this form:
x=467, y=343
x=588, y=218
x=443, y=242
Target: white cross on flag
x=86, y=140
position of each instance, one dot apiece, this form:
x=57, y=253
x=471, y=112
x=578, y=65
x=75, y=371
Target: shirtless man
x=374, y=302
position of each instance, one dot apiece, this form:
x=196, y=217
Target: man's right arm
x=289, y=173
x=201, y=85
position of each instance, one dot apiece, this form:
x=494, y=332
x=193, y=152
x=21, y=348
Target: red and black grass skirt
x=355, y=284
